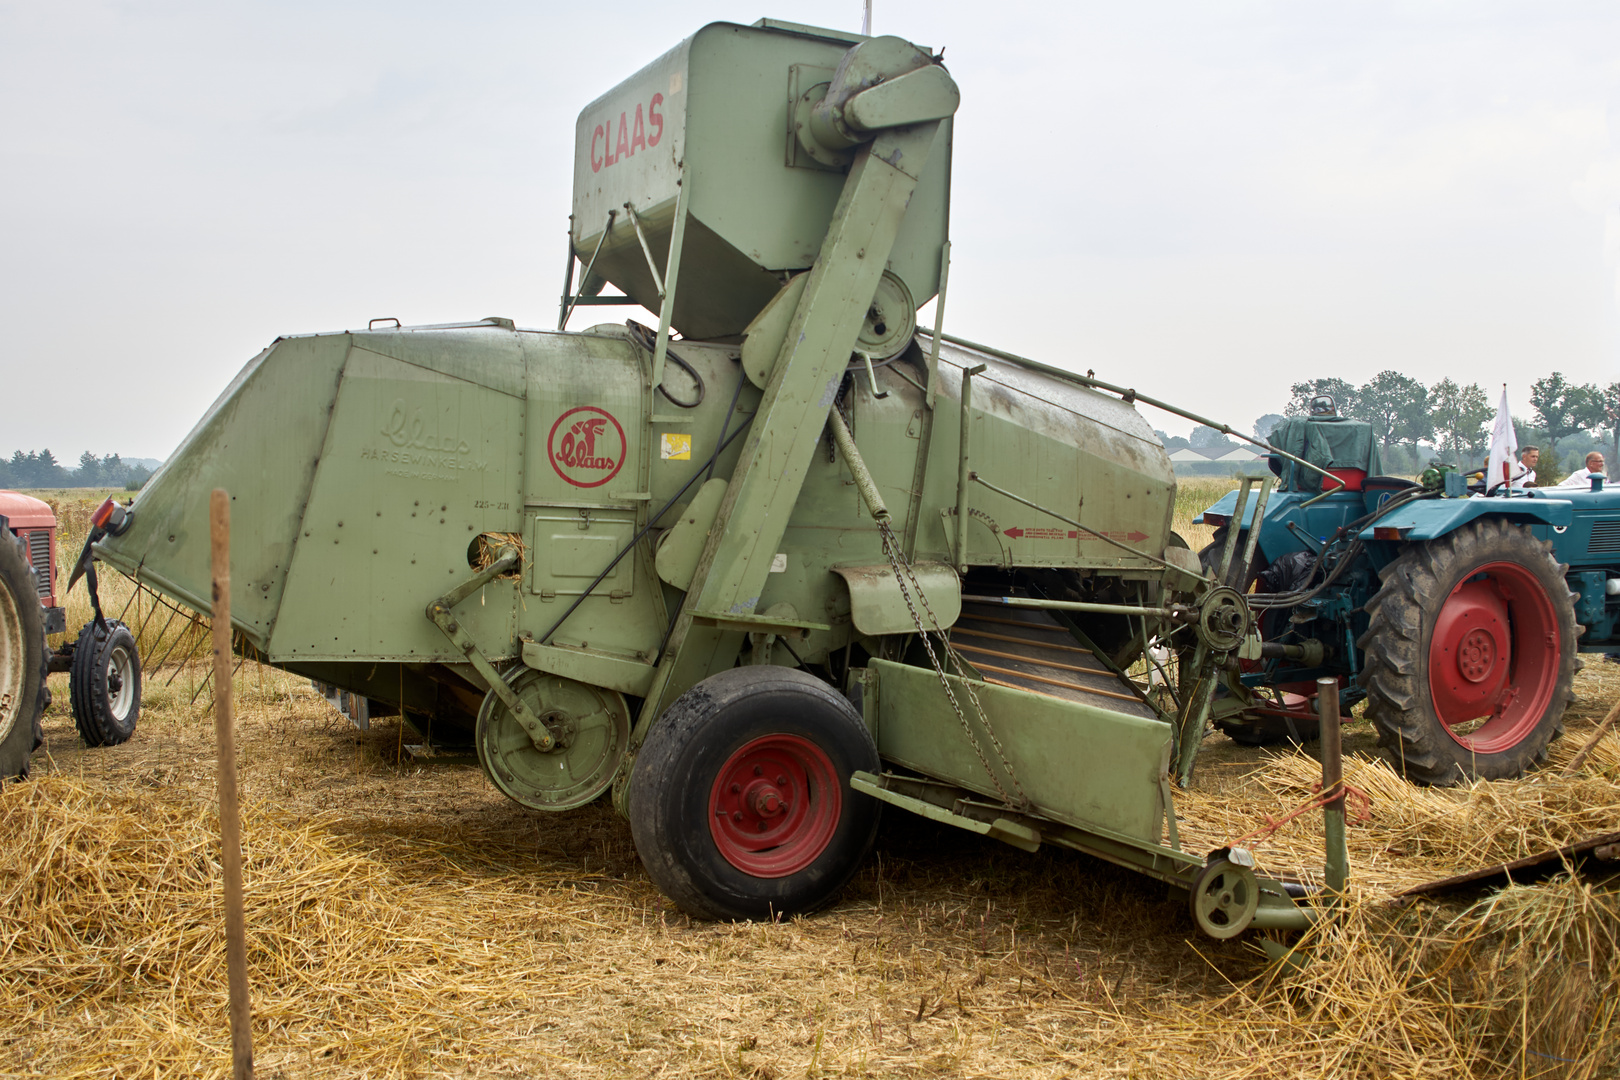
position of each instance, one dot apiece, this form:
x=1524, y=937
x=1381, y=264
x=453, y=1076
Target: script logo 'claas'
x=586, y=446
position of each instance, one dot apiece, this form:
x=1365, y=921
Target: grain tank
x=758, y=570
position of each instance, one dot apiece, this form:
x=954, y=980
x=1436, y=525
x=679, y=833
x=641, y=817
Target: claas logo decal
x=586, y=447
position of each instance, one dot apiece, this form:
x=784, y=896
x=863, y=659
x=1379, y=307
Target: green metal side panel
x=260, y=441
x=1072, y=450
x=592, y=466
x=488, y=356
x=1083, y=766
x=588, y=404
x=416, y=465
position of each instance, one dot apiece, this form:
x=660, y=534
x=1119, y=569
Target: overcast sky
x=1205, y=200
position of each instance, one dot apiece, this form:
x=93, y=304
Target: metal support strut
x=439, y=612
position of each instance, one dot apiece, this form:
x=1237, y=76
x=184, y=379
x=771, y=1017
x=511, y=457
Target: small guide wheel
x=592, y=729
x=1224, y=898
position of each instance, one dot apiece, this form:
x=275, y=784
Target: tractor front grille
x=39, y=556
x=1605, y=538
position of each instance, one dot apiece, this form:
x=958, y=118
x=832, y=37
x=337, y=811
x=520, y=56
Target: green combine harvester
x=758, y=579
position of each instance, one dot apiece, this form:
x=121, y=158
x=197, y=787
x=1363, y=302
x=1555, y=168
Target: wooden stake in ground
x=230, y=825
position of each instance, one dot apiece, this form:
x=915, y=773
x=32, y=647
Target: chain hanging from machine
x=903, y=571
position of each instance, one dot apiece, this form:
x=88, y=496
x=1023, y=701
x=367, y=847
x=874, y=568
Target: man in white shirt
x=1582, y=478
x=1522, y=473
x=1525, y=474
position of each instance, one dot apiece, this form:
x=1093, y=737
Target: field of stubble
x=406, y=920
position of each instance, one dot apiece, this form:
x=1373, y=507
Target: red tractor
x=104, y=683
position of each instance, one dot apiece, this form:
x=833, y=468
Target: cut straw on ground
x=407, y=921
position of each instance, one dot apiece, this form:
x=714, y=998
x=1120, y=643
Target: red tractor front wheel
x=1470, y=654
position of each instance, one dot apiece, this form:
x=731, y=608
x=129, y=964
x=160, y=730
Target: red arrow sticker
x=1018, y=533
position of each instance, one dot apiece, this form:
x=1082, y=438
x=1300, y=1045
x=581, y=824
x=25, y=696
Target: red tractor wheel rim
x=774, y=805
x=1495, y=657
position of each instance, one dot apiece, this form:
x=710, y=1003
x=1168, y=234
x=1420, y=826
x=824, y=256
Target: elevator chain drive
x=903, y=572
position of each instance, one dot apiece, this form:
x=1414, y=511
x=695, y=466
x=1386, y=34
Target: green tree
x=1397, y=406
x=1563, y=407
x=88, y=474
x=1460, y=414
x=1264, y=426
x=1170, y=442
x=1611, y=412
x=1301, y=393
x=1204, y=437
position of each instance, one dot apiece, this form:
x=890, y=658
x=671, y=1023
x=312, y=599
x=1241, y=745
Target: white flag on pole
x=1504, y=447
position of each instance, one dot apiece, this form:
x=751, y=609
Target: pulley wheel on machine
x=1224, y=899
x=591, y=727
x=1223, y=619
x=890, y=322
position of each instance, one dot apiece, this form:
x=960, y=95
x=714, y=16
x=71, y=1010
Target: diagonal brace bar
x=440, y=613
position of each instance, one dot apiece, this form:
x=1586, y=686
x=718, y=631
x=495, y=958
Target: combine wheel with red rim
x=740, y=802
x=1470, y=654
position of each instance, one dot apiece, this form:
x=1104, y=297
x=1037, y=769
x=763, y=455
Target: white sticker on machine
x=779, y=563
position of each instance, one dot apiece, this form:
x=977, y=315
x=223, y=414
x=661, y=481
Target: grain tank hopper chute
x=758, y=579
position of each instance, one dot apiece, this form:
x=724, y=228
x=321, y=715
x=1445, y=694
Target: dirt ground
x=410, y=921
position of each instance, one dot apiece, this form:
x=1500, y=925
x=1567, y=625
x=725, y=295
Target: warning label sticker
x=675, y=447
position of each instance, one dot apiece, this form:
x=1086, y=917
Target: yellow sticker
x=675, y=447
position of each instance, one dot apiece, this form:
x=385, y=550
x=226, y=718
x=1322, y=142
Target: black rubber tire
x=1396, y=645
x=1209, y=557
x=102, y=662
x=1270, y=731
x=23, y=658
x=676, y=769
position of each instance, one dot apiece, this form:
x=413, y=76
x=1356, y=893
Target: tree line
x=1416, y=424
x=42, y=470
x=1457, y=418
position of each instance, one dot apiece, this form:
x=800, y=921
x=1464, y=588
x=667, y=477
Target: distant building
x=1215, y=459
x=1236, y=455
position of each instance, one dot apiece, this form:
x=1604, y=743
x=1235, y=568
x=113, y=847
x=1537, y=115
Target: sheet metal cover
x=877, y=607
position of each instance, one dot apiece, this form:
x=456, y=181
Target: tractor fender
x=1427, y=519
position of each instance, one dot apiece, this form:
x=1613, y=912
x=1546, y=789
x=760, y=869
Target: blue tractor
x=1456, y=615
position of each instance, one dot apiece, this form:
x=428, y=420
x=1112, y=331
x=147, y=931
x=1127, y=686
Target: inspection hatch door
x=568, y=548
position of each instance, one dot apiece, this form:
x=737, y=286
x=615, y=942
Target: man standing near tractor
x=1582, y=478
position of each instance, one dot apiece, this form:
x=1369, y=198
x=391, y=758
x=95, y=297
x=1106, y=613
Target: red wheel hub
x=1494, y=657
x=774, y=805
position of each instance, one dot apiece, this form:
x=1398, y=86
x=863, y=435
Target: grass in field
x=1194, y=495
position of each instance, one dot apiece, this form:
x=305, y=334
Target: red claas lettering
x=623, y=139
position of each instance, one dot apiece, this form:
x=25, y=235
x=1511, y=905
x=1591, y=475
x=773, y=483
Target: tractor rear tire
x=23, y=659
x=1476, y=626
x=740, y=803
x=104, y=684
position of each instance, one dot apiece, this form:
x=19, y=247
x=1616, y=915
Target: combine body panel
x=760, y=579
x=371, y=463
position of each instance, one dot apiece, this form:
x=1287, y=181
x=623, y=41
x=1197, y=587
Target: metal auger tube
x=863, y=479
